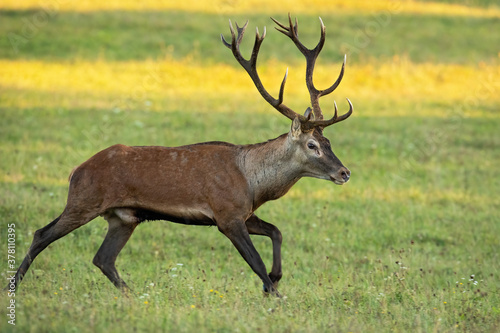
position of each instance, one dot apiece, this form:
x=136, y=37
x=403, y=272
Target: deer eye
x=311, y=145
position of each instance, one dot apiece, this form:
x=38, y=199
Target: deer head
x=306, y=134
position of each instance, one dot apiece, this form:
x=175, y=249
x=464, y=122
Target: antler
x=250, y=67
x=311, y=55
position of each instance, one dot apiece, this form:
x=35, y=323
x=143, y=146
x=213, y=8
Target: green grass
x=125, y=35
x=394, y=250
x=384, y=251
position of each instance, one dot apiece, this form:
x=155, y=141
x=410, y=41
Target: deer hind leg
x=122, y=223
x=61, y=226
x=256, y=226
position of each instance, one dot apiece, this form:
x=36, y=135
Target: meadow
x=409, y=244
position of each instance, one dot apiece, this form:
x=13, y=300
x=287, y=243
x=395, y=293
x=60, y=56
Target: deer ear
x=296, y=129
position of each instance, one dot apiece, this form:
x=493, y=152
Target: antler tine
x=333, y=120
x=251, y=68
x=235, y=41
x=256, y=46
x=282, y=87
x=292, y=31
x=322, y=38
x=284, y=29
x=337, y=82
x=347, y=114
x=241, y=31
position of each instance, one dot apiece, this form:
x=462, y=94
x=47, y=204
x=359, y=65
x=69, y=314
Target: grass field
x=410, y=244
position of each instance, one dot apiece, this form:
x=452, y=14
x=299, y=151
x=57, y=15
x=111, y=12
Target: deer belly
x=183, y=216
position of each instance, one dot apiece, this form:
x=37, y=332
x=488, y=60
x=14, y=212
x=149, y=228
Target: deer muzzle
x=342, y=176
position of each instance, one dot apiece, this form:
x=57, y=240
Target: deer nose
x=345, y=174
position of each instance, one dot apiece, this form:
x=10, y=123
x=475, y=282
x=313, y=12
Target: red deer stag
x=210, y=183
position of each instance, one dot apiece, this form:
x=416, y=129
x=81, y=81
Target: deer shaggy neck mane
x=269, y=168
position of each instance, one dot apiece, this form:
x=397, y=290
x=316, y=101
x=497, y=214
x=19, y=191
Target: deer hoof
x=267, y=292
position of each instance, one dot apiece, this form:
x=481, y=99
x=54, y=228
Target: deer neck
x=270, y=168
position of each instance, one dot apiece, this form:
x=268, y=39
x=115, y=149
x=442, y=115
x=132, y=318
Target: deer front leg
x=237, y=233
x=256, y=226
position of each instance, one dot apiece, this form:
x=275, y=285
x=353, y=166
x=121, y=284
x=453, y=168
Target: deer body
x=153, y=179
x=173, y=182
x=212, y=183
